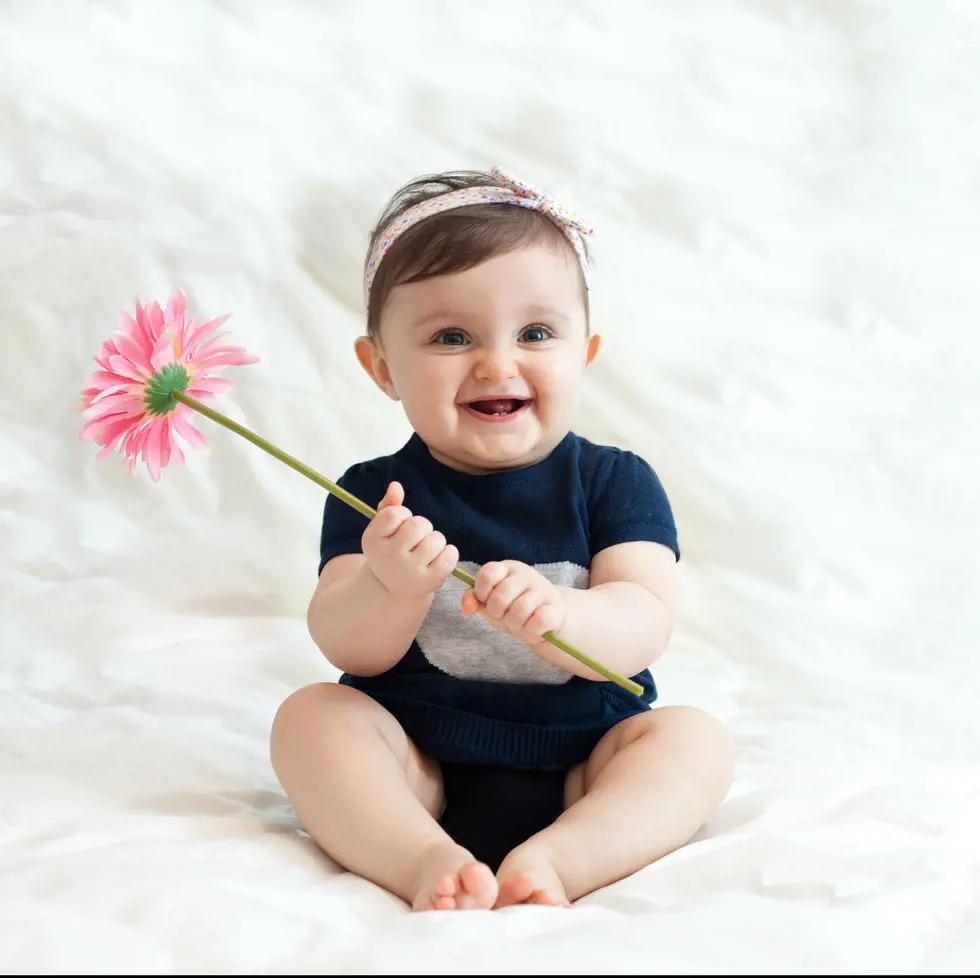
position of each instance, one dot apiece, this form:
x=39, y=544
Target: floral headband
x=514, y=191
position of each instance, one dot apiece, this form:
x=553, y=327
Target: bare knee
x=683, y=729
x=310, y=703
x=705, y=735
x=311, y=712
x=318, y=720
x=690, y=721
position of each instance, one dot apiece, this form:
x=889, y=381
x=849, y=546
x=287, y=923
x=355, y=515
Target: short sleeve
x=628, y=503
x=343, y=526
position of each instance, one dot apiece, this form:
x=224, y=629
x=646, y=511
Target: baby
x=463, y=761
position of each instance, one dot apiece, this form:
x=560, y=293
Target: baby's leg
x=649, y=785
x=370, y=798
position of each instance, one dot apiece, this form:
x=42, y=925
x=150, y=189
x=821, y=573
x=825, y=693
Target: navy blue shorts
x=491, y=810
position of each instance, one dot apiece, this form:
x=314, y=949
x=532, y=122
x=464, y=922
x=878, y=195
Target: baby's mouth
x=497, y=407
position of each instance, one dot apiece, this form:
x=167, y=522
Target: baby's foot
x=526, y=877
x=451, y=879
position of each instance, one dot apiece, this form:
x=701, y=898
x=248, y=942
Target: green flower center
x=160, y=390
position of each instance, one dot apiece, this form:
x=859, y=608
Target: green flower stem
x=370, y=513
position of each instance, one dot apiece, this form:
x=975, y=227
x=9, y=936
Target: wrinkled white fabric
x=786, y=207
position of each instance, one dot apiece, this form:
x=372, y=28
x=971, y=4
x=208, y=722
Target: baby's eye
x=536, y=334
x=451, y=337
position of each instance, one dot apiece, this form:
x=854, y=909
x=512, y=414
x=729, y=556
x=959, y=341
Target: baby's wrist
x=372, y=579
x=393, y=594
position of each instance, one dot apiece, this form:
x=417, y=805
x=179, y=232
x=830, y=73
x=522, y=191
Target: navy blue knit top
x=465, y=691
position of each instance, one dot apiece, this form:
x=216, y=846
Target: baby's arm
x=367, y=607
x=624, y=619
x=626, y=616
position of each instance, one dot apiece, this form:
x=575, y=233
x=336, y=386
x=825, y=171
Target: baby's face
x=489, y=362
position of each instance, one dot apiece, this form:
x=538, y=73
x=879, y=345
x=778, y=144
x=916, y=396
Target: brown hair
x=454, y=240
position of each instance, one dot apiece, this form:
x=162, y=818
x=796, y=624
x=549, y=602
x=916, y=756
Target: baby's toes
x=477, y=887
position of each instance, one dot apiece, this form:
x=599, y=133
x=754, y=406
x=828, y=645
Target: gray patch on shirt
x=471, y=648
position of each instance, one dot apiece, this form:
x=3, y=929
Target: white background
x=787, y=204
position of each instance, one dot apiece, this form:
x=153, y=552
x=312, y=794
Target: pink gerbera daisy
x=130, y=404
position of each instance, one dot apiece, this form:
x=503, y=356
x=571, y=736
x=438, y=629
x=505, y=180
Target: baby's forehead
x=490, y=296
x=535, y=273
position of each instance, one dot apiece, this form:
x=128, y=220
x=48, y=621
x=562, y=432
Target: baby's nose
x=497, y=363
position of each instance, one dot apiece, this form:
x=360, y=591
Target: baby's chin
x=485, y=460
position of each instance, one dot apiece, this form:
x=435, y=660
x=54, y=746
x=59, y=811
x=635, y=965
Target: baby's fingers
x=395, y=496
x=444, y=563
x=429, y=547
x=487, y=578
x=389, y=521
x=470, y=603
x=545, y=619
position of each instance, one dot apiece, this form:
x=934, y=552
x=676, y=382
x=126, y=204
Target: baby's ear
x=595, y=341
x=371, y=358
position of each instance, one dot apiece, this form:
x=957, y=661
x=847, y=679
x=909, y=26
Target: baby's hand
x=517, y=599
x=403, y=551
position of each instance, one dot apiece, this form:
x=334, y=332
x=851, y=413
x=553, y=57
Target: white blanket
x=786, y=202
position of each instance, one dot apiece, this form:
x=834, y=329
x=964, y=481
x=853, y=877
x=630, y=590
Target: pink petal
x=230, y=357
x=102, y=431
x=210, y=345
x=118, y=407
x=144, y=331
x=109, y=434
x=162, y=433
x=133, y=352
x=196, y=334
x=133, y=442
x=152, y=456
x=120, y=365
x=163, y=355
x=100, y=379
x=111, y=407
x=209, y=385
x=178, y=455
x=213, y=324
x=114, y=397
x=141, y=451
x=103, y=358
x=134, y=332
x=176, y=307
x=116, y=390
x=156, y=320
x=187, y=431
